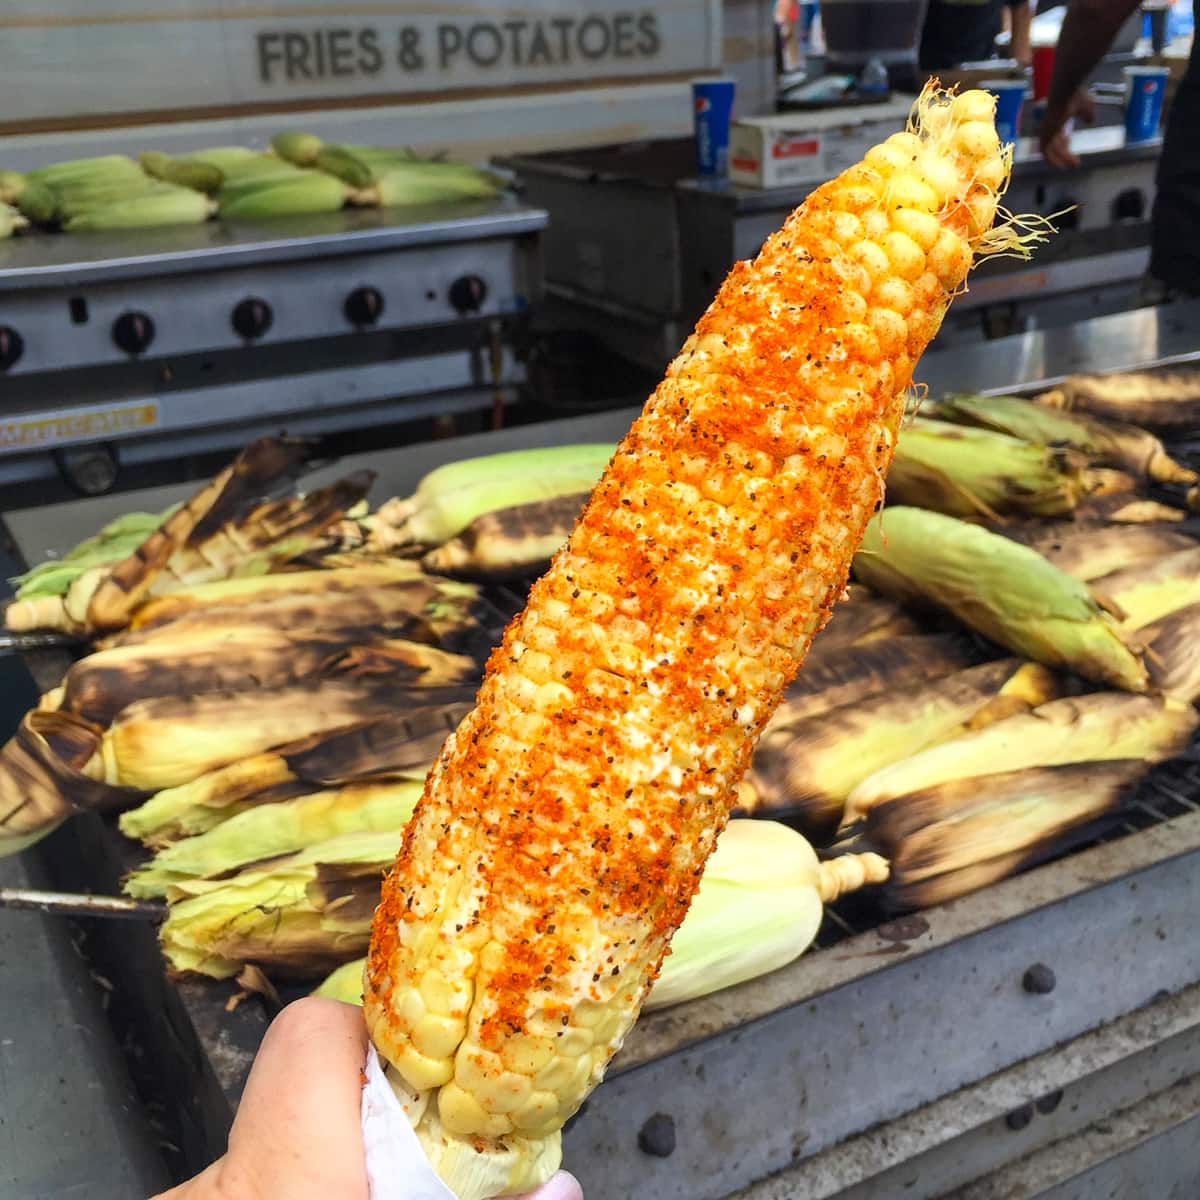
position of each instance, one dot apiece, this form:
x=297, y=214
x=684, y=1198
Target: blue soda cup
x=1010, y=96
x=712, y=110
x=1144, y=91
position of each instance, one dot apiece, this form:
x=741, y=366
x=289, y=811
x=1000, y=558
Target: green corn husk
x=106, y=166
x=199, y=176
x=297, y=147
x=271, y=830
x=450, y=497
x=1146, y=593
x=1003, y=590
x=967, y=472
x=37, y=203
x=226, y=159
x=341, y=164
x=953, y=838
x=12, y=184
x=1098, y=727
x=758, y=908
x=1107, y=444
x=805, y=771
x=422, y=182
x=178, y=206
x=311, y=192
x=1087, y=554
x=286, y=916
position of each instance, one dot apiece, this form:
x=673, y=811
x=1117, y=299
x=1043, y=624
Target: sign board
x=70, y=426
x=67, y=59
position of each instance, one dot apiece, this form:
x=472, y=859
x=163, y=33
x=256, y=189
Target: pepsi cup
x=1144, y=91
x=1010, y=96
x=712, y=110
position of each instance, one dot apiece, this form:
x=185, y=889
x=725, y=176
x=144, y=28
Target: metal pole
x=72, y=904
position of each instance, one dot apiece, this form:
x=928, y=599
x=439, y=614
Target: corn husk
x=1172, y=653
x=1098, y=727
x=1003, y=590
x=1168, y=401
x=806, y=771
x=270, y=830
x=1145, y=593
x=43, y=779
x=1105, y=443
x=1088, y=554
x=296, y=916
x=860, y=618
x=165, y=742
x=949, y=839
x=967, y=472
x=398, y=744
x=850, y=673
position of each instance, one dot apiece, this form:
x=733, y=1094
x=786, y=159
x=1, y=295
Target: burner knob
x=467, y=294
x=252, y=318
x=133, y=332
x=363, y=307
x=12, y=346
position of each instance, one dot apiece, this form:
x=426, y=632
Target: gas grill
x=1040, y=1037
x=140, y=347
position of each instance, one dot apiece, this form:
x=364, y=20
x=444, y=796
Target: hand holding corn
x=566, y=824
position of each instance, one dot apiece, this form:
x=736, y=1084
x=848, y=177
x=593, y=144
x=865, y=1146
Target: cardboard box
x=809, y=147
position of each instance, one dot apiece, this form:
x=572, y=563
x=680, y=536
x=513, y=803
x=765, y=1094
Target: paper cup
x=1043, y=69
x=1144, y=91
x=712, y=111
x=1010, y=96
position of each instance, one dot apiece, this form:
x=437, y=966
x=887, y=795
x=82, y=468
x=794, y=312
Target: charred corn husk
x=104, y=598
x=805, y=771
x=450, y=497
x=1087, y=554
x=302, y=586
x=163, y=743
x=863, y=618
x=1098, y=727
x=1171, y=653
x=1144, y=593
x=1003, y=590
x=507, y=543
x=271, y=830
x=299, y=915
x=1106, y=443
x=565, y=826
x=978, y=473
x=758, y=907
x=950, y=839
x=848, y=674
x=1169, y=401
x=42, y=779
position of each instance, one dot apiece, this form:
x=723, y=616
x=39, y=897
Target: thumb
x=562, y=1186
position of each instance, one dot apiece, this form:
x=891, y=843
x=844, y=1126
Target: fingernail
x=562, y=1186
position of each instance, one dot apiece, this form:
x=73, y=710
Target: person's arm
x=1018, y=46
x=1088, y=31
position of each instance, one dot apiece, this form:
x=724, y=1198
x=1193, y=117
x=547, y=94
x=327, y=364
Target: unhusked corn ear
x=305, y=192
x=1169, y=401
x=1003, y=590
x=566, y=824
x=1091, y=553
x=1152, y=590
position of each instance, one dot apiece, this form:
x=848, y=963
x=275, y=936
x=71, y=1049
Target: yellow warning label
x=36, y=432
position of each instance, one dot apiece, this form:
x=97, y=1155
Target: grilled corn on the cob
x=566, y=824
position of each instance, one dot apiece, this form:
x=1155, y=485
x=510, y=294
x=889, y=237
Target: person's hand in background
x=298, y=1133
x=1052, y=134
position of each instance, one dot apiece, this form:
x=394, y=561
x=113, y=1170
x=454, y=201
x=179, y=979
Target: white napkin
x=397, y=1168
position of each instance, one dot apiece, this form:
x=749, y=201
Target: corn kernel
x=907, y=191
x=906, y=257
x=973, y=106
x=978, y=139
x=920, y=226
x=894, y=294
x=887, y=159
x=873, y=259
